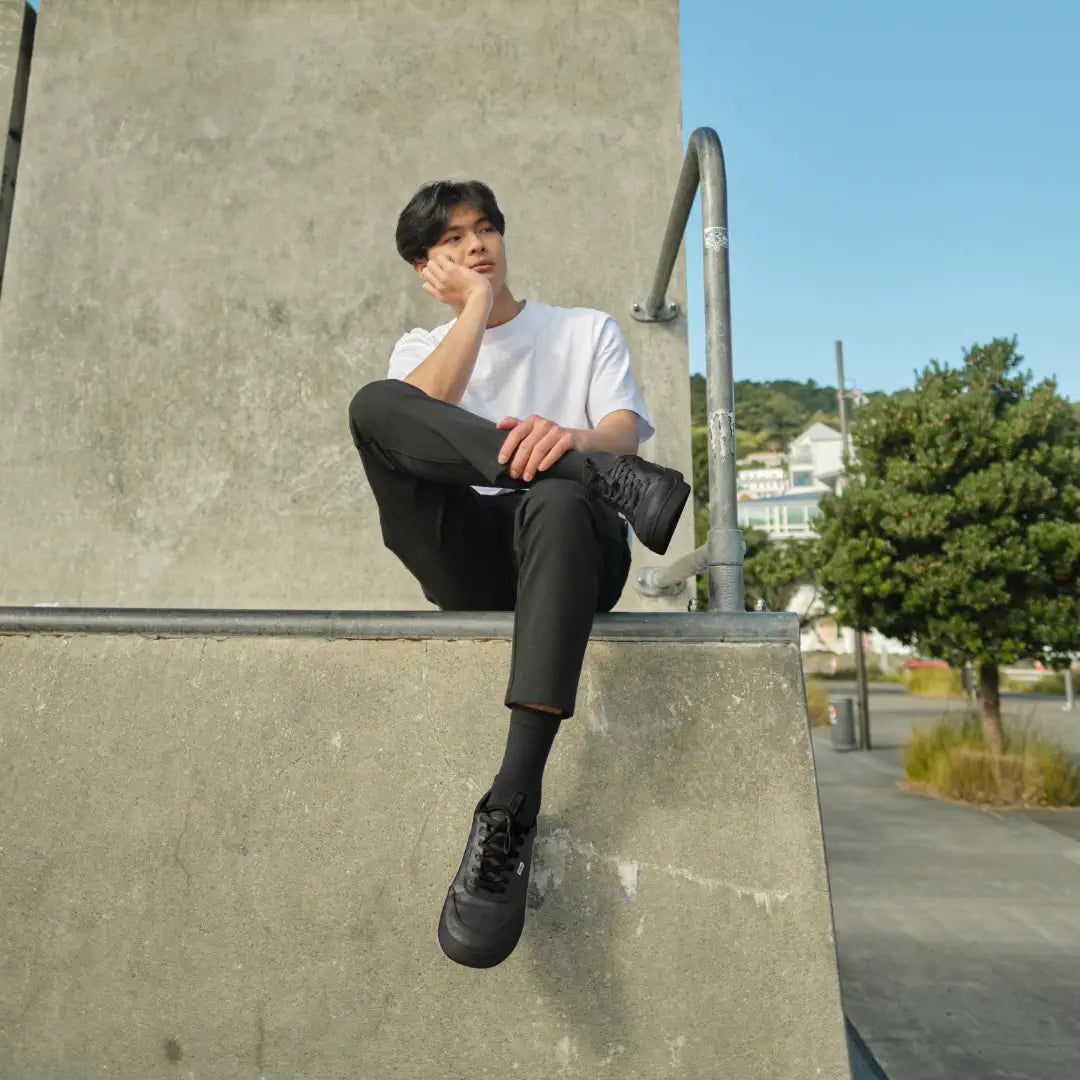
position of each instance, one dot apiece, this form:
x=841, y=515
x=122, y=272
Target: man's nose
x=476, y=243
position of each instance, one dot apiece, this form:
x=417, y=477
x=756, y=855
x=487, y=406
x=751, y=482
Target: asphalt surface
x=958, y=930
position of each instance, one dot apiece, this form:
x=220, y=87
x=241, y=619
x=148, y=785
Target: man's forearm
x=446, y=372
x=616, y=440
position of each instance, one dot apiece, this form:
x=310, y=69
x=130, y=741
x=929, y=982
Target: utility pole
x=862, y=691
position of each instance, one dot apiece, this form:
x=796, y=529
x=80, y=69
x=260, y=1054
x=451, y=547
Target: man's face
x=470, y=240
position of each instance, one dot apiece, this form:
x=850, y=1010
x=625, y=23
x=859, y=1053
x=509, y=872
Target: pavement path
x=958, y=930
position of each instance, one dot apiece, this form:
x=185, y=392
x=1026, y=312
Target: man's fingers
x=540, y=450
x=511, y=442
x=508, y=422
x=541, y=430
x=549, y=449
x=564, y=443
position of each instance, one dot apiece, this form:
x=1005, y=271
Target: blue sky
x=901, y=177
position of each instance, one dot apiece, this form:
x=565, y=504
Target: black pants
x=546, y=551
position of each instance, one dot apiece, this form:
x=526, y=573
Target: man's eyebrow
x=457, y=228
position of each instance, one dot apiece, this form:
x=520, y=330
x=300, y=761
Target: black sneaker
x=651, y=497
x=484, y=912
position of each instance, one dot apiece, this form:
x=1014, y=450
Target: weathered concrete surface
x=226, y=858
x=11, y=26
x=12, y=17
x=202, y=268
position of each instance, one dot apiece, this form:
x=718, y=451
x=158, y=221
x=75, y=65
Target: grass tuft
x=954, y=760
x=934, y=682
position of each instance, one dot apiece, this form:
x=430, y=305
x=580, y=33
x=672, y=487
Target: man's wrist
x=481, y=296
x=584, y=439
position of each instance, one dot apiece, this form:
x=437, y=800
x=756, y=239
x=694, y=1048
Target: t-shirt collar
x=495, y=334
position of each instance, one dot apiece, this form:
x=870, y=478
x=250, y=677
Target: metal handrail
x=781, y=627
x=723, y=554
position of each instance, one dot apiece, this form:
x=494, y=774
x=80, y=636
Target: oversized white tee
x=570, y=365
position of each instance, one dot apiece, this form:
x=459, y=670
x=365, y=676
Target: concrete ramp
x=224, y=856
x=202, y=268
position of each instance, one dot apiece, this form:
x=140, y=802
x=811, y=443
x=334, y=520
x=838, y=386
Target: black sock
x=528, y=743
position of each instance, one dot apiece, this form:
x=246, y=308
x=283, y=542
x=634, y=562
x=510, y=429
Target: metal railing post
x=704, y=165
x=725, y=537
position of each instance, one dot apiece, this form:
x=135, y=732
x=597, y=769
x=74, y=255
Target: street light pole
x=862, y=690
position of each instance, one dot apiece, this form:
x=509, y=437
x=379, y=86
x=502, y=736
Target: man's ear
x=419, y=265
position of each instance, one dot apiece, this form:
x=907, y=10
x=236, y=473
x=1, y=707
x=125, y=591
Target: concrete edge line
x=864, y=1065
x=779, y=628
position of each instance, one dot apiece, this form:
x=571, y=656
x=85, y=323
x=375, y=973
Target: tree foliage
x=774, y=571
x=769, y=414
x=961, y=535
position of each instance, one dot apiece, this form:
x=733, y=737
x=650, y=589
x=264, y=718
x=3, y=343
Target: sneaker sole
x=464, y=954
x=664, y=521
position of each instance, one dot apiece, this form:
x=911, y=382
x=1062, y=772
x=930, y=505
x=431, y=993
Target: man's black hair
x=424, y=219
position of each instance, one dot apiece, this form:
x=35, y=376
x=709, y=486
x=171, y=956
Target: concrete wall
x=202, y=268
x=13, y=41
x=226, y=858
x=11, y=23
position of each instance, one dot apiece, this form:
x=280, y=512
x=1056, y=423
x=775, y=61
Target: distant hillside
x=768, y=415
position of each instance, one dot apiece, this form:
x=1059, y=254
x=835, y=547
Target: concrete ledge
x=775, y=627
x=225, y=857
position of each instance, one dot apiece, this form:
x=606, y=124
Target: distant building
x=816, y=459
x=782, y=502
x=769, y=459
x=783, y=517
x=761, y=483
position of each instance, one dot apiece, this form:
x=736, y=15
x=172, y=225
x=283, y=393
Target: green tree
x=774, y=571
x=961, y=535
x=769, y=414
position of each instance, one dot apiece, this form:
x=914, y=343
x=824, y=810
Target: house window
x=796, y=515
x=802, y=479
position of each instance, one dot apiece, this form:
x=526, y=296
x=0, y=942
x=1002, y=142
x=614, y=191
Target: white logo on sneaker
x=521, y=866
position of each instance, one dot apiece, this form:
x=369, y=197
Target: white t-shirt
x=570, y=365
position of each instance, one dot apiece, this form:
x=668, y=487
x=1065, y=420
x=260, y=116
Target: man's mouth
x=483, y=268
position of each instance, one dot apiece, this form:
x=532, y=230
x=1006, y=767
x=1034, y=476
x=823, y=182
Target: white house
x=785, y=509
x=816, y=459
x=783, y=517
x=760, y=482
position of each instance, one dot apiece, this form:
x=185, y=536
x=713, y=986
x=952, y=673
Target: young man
x=501, y=453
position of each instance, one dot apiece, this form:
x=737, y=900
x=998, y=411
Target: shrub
x=954, y=760
x=874, y=674
x=1052, y=683
x=817, y=702
x=934, y=682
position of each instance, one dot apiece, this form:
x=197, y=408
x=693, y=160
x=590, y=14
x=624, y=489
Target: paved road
x=958, y=930
x=893, y=711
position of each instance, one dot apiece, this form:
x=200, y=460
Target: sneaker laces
x=498, y=840
x=621, y=483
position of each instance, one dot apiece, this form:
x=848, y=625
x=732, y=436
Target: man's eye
x=452, y=239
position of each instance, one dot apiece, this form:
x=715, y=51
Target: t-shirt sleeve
x=612, y=385
x=411, y=350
